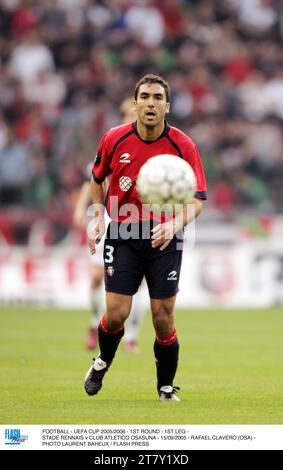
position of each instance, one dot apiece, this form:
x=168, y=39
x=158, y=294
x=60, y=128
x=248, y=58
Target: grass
x=230, y=371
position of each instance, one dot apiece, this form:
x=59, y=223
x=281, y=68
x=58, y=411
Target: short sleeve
x=101, y=166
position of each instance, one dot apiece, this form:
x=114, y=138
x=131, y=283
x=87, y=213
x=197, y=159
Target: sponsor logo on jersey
x=172, y=276
x=125, y=183
x=125, y=158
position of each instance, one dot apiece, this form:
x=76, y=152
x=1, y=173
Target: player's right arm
x=97, y=230
x=98, y=187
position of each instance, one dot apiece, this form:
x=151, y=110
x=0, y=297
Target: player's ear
x=167, y=108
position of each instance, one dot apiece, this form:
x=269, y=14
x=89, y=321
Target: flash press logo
x=14, y=437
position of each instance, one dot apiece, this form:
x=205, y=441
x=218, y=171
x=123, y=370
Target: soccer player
x=128, y=113
x=121, y=153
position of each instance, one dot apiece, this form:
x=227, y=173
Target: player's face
x=151, y=104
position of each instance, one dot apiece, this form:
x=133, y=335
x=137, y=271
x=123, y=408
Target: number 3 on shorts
x=109, y=254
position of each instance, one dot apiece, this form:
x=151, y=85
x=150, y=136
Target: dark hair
x=150, y=78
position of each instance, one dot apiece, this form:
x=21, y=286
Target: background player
x=128, y=260
x=97, y=304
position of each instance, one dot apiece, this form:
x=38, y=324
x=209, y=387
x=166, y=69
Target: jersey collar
x=164, y=133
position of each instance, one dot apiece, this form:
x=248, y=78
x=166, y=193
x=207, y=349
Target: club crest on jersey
x=125, y=183
x=110, y=270
x=125, y=158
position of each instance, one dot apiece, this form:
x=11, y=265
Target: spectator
x=30, y=57
x=15, y=171
x=66, y=65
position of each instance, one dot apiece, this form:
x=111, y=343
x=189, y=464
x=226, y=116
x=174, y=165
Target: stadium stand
x=66, y=65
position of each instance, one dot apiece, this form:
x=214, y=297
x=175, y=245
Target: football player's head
x=152, y=97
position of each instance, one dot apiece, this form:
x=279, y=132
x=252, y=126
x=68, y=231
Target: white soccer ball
x=167, y=181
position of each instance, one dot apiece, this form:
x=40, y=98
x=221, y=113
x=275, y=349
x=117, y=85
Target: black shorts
x=127, y=261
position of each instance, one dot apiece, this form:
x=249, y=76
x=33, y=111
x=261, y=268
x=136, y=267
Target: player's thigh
x=163, y=271
x=123, y=267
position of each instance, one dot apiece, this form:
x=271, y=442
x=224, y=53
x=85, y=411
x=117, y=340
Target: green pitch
x=230, y=371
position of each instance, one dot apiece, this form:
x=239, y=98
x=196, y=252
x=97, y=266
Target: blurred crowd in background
x=66, y=65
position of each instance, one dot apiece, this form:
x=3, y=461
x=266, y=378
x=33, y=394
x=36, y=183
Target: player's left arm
x=163, y=233
x=190, y=212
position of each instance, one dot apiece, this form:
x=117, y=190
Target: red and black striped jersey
x=121, y=153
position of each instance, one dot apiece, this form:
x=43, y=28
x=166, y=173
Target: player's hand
x=162, y=234
x=97, y=233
